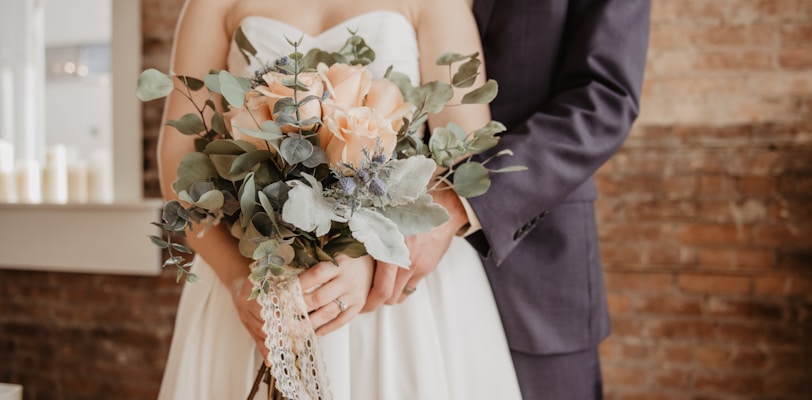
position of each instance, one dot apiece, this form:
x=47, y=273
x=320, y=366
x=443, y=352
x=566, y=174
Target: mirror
x=78, y=60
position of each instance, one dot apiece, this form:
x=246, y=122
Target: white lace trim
x=296, y=359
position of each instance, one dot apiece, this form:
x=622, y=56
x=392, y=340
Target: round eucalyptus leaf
x=450, y=58
x=233, y=90
x=483, y=94
x=295, y=150
x=471, y=179
x=195, y=167
x=192, y=83
x=153, y=84
x=466, y=74
x=189, y=124
x=223, y=147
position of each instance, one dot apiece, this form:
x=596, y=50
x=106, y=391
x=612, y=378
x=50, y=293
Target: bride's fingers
x=317, y=275
x=341, y=320
x=382, y=285
x=404, y=276
x=325, y=314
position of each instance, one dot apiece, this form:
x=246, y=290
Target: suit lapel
x=482, y=13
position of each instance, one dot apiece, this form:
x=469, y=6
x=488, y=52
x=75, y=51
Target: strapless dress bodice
x=388, y=33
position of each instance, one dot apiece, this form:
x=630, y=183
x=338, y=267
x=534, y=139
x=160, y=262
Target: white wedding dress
x=444, y=342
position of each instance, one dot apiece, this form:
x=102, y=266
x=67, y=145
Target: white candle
x=77, y=182
x=100, y=178
x=6, y=104
x=29, y=182
x=55, y=175
x=8, y=184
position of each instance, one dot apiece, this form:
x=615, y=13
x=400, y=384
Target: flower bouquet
x=311, y=157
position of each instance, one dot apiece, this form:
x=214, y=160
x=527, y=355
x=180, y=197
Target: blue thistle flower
x=377, y=187
x=379, y=158
x=346, y=186
x=362, y=174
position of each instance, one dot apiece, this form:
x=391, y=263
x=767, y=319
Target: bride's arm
x=442, y=26
x=200, y=45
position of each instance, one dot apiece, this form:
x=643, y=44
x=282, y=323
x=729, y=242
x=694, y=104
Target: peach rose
x=274, y=90
x=348, y=85
x=385, y=98
x=241, y=118
x=354, y=130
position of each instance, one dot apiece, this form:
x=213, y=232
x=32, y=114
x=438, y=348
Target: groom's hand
x=390, y=282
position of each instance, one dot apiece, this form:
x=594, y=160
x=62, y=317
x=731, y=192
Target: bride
x=445, y=341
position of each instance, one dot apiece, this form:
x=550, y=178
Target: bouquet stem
x=264, y=374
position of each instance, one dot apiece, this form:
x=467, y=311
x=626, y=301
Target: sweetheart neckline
x=332, y=28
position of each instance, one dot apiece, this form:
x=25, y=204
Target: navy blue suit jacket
x=570, y=74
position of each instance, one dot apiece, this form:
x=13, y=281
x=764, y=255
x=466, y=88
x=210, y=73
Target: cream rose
x=348, y=85
x=354, y=130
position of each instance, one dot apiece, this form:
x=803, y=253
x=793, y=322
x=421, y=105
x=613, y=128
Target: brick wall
x=704, y=219
x=706, y=212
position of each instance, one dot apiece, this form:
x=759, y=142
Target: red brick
x=796, y=57
x=747, y=309
x=750, y=359
x=661, y=210
x=721, y=284
x=686, y=330
x=796, y=34
x=712, y=357
x=797, y=260
x=634, y=232
x=793, y=234
x=675, y=354
x=749, y=385
x=736, y=258
x=713, y=234
x=665, y=305
x=618, y=303
x=623, y=375
x=771, y=285
x=756, y=186
x=671, y=378
x=679, y=187
x=638, y=282
x=736, y=60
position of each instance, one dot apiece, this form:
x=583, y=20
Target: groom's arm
x=593, y=104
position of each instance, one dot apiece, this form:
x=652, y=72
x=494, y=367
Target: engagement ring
x=409, y=290
x=342, y=305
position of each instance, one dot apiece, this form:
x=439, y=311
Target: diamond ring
x=342, y=305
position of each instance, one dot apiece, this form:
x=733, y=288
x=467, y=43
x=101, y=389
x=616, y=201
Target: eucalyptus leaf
x=403, y=83
x=195, y=167
x=228, y=147
x=248, y=194
x=471, y=179
x=485, y=138
x=295, y=150
x=266, y=249
x=192, y=277
x=211, y=200
x=285, y=105
x=212, y=82
x=380, y=237
x=466, y=74
x=277, y=194
x=318, y=157
x=483, y=94
x=158, y=242
x=417, y=217
x=233, y=90
x=450, y=58
x=189, y=124
x=433, y=96
x=294, y=83
x=192, y=83
x=245, y=46
x=512, y=168
x=218, y=124
x=223, y=163
x=246, y=162
x=180, y=248
x=265, y=202
x=153, y=84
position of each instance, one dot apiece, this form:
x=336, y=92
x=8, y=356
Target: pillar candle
x=29, y=181
x=77, y=182
x=8, y=184
x=55, y=175
x=100, y=178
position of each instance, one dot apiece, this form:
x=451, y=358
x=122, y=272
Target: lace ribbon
x=297, y=363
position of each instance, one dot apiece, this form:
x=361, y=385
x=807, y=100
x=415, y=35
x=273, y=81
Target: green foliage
x=286, y=206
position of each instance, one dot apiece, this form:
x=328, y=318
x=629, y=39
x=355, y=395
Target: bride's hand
x=249, y=312
x=327, y=286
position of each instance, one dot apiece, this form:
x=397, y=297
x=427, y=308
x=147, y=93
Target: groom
x=570, y=74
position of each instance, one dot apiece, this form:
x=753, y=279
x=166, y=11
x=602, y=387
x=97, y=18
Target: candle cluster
x=60, y=180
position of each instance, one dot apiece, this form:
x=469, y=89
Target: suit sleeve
x=594, y=101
